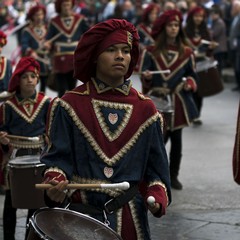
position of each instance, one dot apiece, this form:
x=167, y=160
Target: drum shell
x=210, y=82
x=23, y=178
x=64, y=224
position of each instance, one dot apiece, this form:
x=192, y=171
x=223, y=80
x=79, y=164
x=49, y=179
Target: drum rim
x=13, y=162
x=42, y=234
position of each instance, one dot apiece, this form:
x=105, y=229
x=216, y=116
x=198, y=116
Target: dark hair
x=190, y=29
x=217, y=10
x=161, y=43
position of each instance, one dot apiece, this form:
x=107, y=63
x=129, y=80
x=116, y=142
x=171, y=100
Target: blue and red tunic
x=65, y=33
x=181, y=68
x=98, y=134
x=32, y=40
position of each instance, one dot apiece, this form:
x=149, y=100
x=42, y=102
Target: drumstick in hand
x=151, y=201
x=122, y=186
x=23, y=138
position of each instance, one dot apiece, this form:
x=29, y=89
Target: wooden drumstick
x=34, y=139
x=203, y=41
x=122, y=185
x=155, y=72
x=160, y=71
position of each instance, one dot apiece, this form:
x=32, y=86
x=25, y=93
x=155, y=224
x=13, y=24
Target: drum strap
x=110, y=206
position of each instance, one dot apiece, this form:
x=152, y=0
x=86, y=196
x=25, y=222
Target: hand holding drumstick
x=152, y=205
x=4, y=139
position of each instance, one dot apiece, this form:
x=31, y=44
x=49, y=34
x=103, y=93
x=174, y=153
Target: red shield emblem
x=113, y=118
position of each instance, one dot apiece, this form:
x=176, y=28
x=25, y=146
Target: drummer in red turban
x=97, y=40
x=26, y=64
x=104, y=131
x=33, y=10
x=22, y=115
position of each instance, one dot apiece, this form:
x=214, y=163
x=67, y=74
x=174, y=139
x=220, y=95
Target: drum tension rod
x=106, y=222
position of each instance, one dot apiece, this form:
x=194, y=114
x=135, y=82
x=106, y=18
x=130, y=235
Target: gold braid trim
x=24, y=116
x=161, y=121
x=119, y=221
x=110, y=161
x=127, y=107
x=108, y=191
x=135, y=220
x=160, y=184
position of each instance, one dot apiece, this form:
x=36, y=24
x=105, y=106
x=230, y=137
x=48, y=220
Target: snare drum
x=164, y=105
x=210, y=82
x=24, y=173
x=63, y=224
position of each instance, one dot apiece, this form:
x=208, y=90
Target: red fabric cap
x=97, y=39
x=3, y=38
x=58, y=4
x=196, y=10
x=34, y=10
x=163, y=19
x=26, y=64
x=148, y=10
x=116, y=37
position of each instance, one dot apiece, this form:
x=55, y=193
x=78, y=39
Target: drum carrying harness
x=109, y=207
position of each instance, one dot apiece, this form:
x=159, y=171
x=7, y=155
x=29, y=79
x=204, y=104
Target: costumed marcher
x=236, y=151
x=196, y=32
x=6, y=67
x=5, y=75
x=64, y=31
x=23, y=115
x=105, y=131
x=32, y=39
x=175, y=88
x=219, y=35
x=150, y=14
x=234, y=42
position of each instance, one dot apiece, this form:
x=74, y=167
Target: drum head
x=62, y=224
x=25, y=160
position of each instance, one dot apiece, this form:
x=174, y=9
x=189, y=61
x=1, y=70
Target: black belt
x=110, y=206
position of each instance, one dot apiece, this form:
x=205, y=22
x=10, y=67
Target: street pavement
x=208, y=207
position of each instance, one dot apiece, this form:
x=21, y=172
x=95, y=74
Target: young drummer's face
x=198, y=18
x=28, y=81
x=39, y=17
x=114, y=62
x=172, y=29
x=66, y=8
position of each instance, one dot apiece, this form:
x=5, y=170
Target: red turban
x=195, y=10
x=58, y=4
x=148, y=10
x=163, y=19
x=100, y=37
x=3, y=38
x=34, y=10
x=26, y=64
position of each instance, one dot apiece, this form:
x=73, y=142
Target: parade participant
x=105, y=131
x=6, y=68
x=171, y=53
x=32, y=39
x=24, y=114
x=196, y=31
x=236, y=152
x=64, y=31
x=5, y=75
x=219, y=35
x=149, y=16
